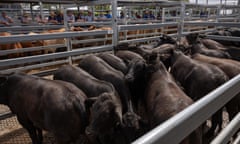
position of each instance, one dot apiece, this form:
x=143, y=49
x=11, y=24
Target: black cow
x=114, y=61
x=107, y=126
x=42, y=104
x=234, y=52
x=105, y=120
x=166, y=39
x=144, y=52
x=127, y=55
x=164, y=52
x=222, y=32
x=91, y=86
x=231, y=69
x=136, y=65
x=165, y=99
x=198, y=47
x=104, y=106
x=212, y=44
x=198, y=79
x=103, y=71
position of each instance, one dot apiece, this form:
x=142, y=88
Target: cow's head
x=133, y=126
x=136, y=68
x=192, y=38
x=167, y=39
x=175, y=54
x=130, y=119
x=105, y=114
x=185, y=49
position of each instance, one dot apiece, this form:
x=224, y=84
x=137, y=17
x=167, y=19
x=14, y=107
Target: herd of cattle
x=115, y=98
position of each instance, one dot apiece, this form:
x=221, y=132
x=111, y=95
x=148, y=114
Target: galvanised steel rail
x=226, y=134
x=144, y=39
x=30, y=28
x=16, y=38
x=35, y=66
x=146, y=26
x=181, y=125
x=91, y=40
x=39, y=58
x=228, y=38
x=30, y=49
x=96, y=23
x=224, y=24
x=200, y=31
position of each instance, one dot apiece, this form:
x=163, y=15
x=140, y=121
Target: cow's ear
x=171, y=51
x=126, y=61
x=152, y=58
x=89, y=102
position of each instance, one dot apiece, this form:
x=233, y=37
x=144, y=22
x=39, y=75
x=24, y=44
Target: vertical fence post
x=181, y=21
x=68, y=42
x=238, y=11
x=218, y=12
x=114, y=24
x=41, y=10
x=163, y=19
x=125, y=22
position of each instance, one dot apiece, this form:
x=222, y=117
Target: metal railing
x=181, y=125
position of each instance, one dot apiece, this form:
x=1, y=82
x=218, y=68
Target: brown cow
x=49, y=42
x=42, y=104
x=10, y=46
x=165, y=99
x=29, y=44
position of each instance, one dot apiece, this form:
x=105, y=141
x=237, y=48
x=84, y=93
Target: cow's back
x=114, y=61
x=91, y=86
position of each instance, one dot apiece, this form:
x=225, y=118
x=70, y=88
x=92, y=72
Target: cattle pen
x=68, y=47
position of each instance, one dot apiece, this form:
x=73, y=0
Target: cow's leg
x=216, y=121
x=30, y=128
x=232, y=109
x=39, y=134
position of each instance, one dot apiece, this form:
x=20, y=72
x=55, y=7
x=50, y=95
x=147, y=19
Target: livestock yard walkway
x=11, y=132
